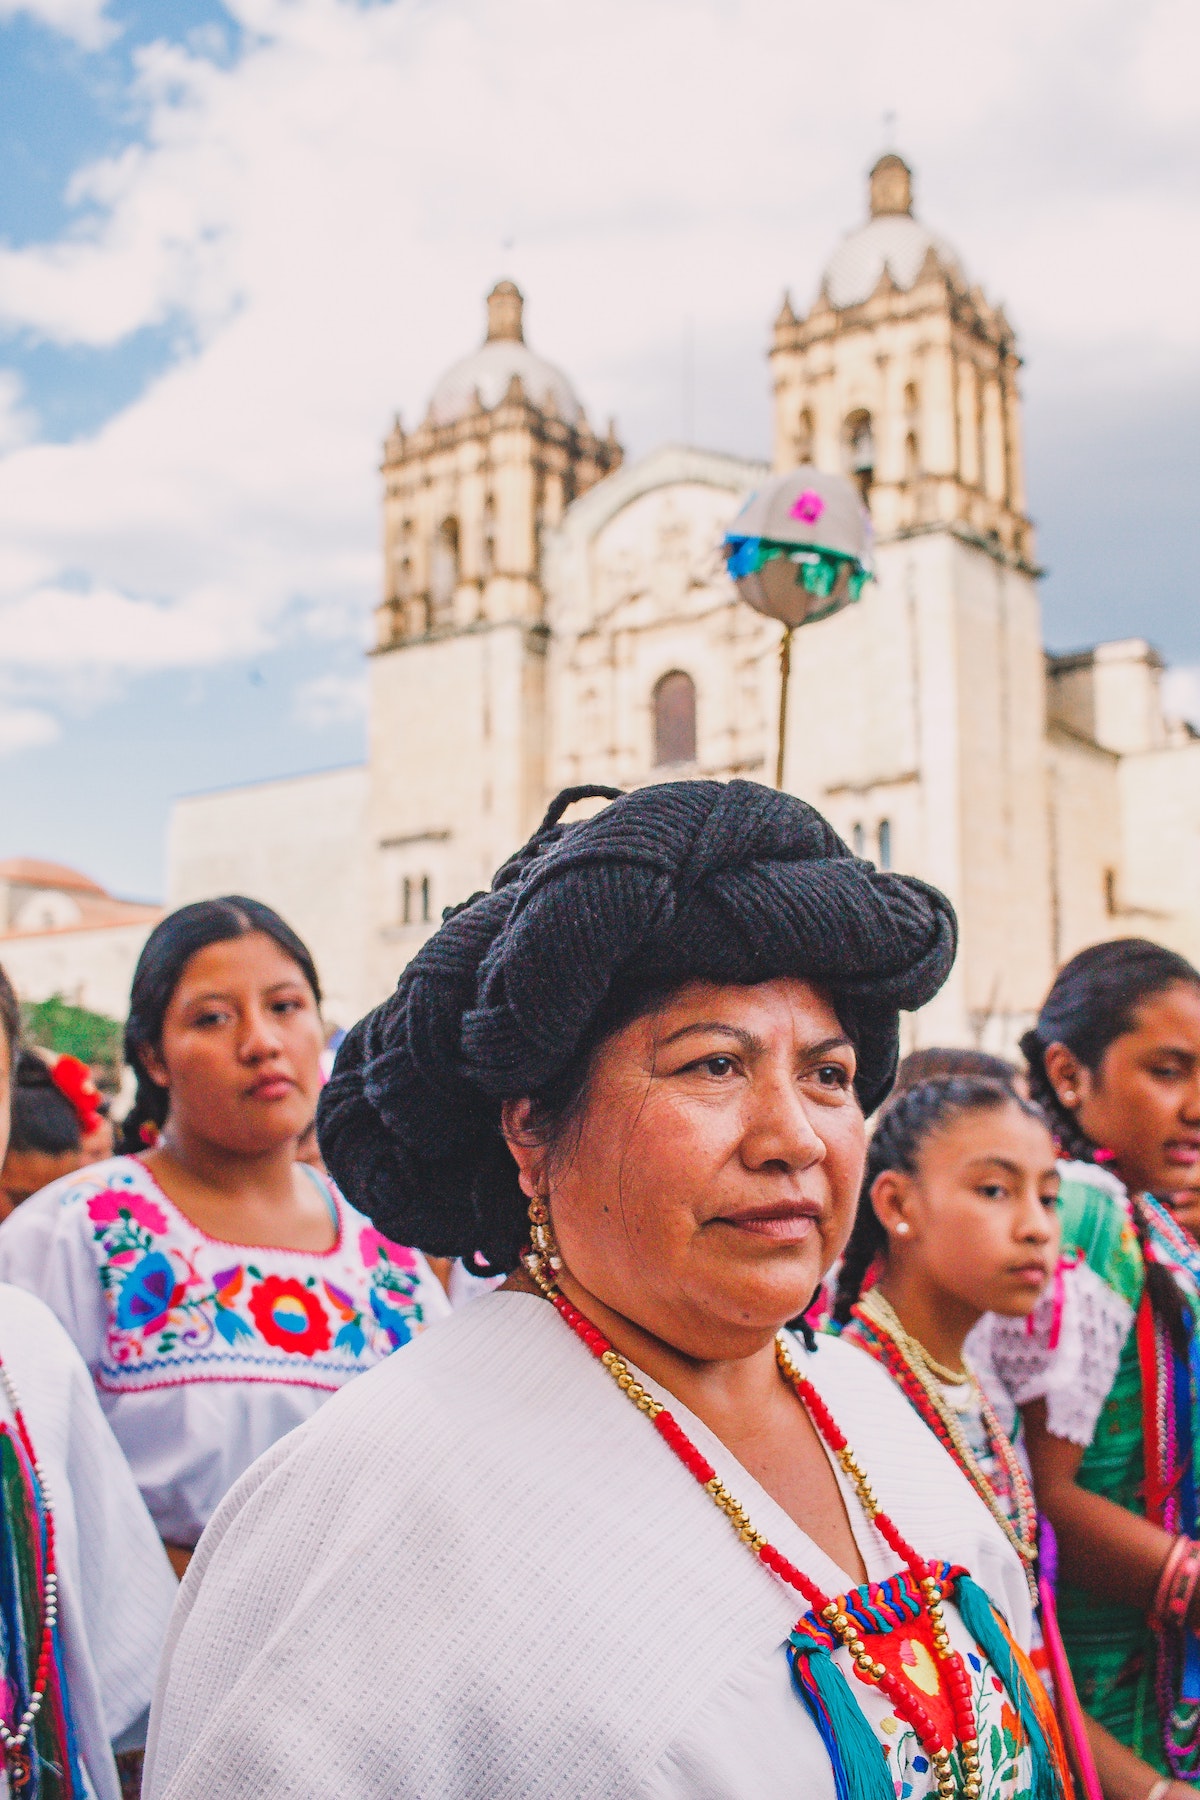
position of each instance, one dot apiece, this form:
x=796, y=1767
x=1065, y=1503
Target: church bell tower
x=919, y=714
x=905, y=377
x=458, y=705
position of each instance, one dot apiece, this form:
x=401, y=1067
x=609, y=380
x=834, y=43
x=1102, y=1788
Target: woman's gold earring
x=543, y=1255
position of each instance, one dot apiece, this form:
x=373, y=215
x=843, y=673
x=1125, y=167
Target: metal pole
x=785, y=670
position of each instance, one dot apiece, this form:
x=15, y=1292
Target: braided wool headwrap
x=680, y=881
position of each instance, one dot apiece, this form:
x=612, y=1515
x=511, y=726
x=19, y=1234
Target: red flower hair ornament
x=73, y=1079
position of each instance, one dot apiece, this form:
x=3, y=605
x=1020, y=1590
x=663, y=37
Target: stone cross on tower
x=506, y=308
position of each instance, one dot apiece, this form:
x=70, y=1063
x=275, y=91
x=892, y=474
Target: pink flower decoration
x=106, y=1209
x=807, y=506
x=372, y=1245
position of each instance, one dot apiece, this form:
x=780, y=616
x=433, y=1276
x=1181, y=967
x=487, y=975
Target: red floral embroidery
x=289, y=1316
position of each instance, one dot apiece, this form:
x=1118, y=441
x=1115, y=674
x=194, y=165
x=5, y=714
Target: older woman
x=610, y=1531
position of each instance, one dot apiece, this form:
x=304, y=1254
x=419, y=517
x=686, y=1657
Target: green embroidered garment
x=1079, y=1353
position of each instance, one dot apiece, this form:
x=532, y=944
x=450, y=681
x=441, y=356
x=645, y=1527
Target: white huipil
x=204, y=1352
x=479, y=1573
x=115, y=1586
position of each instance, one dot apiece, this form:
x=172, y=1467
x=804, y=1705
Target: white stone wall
x=456, y=776
x=1084, y=802
x=1159, y=893
x=300, y=846
x=89, y=968
x=636, y=589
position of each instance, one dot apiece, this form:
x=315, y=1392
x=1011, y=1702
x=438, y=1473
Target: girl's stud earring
x=901, y=1228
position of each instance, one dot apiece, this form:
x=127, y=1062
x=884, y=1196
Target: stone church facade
x=551, y=614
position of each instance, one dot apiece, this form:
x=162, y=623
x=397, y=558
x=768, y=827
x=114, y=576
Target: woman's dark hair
x=1094, y=1001
x=934, y=1063
x=165, y=955
x=10, y=1018
x=585, y=927
x=43, y=1119
x=902, y=1129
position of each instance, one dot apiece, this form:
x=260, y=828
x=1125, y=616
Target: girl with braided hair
x=605, y=1532
x=958, y=1221
x=1107, y=1372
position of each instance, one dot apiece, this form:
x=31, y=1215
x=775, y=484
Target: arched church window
x=425, y=896
x=674, y=719
x=858, y=838
x=444, y=567
x=860, y=449
x=910, y=399
x=885, y=843
x=804, y=437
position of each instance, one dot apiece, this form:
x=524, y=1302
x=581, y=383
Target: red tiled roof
x=28, y=871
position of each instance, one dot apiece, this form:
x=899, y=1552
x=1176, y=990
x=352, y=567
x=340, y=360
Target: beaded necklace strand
x=14, y=1739
x=831, y=1610
x=918, y=1376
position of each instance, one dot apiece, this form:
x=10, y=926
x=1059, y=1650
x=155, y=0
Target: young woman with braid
x=958, y=1217
x=218, y=1290
x=1107, y=1374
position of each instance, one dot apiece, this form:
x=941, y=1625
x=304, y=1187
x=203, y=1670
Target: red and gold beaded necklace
x=876, y=1328
x=940, y=1727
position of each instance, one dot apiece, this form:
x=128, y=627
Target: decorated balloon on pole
x=798, y=551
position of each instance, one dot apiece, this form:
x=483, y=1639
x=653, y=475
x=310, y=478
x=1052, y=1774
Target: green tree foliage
x=56, y=1025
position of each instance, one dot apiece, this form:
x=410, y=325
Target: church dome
x=891, y=239
x=489, y=369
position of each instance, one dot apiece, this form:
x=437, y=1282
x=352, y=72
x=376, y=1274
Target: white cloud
x=82, y=20
x=25, y=728
x=320, y=219
x=331, y=700
x=17, y=421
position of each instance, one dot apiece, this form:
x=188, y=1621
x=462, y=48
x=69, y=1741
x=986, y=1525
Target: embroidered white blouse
x=204, y=1353
x=116, y=1589
x=480, y=1574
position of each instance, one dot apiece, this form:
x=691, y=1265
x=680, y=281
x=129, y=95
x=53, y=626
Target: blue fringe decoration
x=860, y=1770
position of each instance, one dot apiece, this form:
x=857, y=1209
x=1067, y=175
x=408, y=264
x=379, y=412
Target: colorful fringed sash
x=1171, y=1418
x=890, y=1619
x=49, y=1767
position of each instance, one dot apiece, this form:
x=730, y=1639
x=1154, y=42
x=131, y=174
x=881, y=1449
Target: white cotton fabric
x=479, y=1574
x=115, y=1585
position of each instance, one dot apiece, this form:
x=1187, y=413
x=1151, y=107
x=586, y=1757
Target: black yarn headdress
x=680, y=881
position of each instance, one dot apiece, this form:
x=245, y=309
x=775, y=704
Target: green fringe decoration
x=51, y=1747
x=817, y=571
x=979, y=1616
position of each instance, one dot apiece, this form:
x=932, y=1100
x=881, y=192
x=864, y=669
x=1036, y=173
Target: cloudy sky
x=234, y=239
